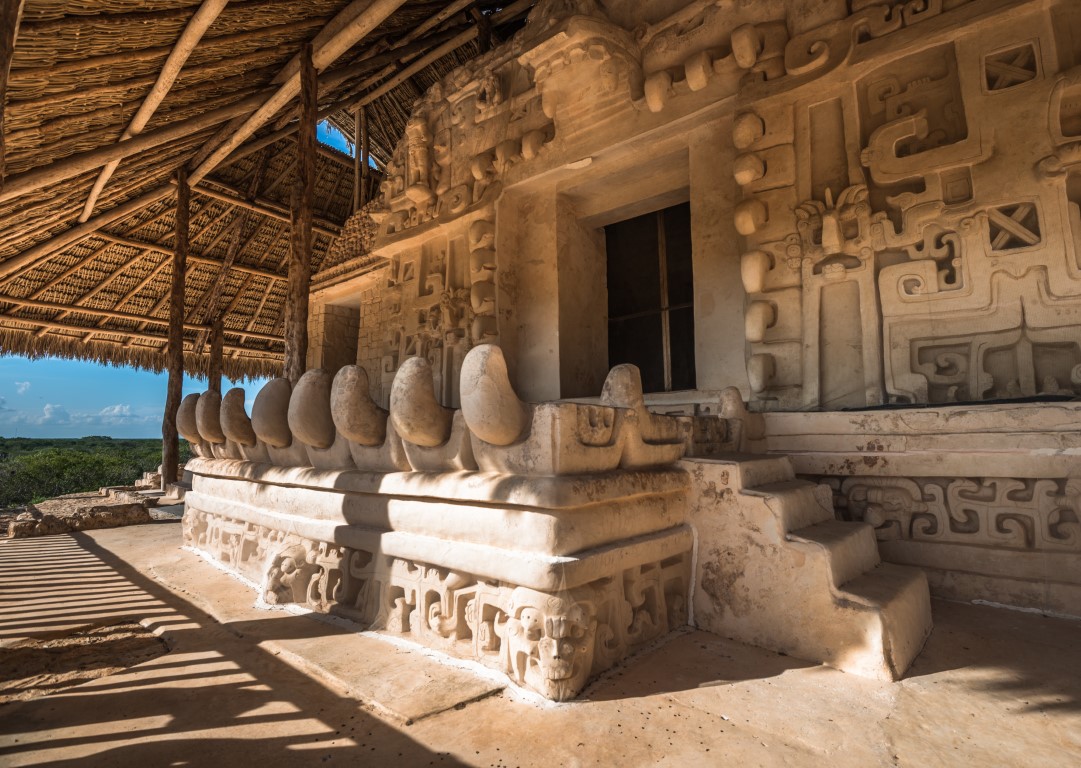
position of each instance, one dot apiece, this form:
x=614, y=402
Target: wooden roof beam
x=165, y=250
x=131, y=336
x=112, y=314
x=11, y=12
x=349, y=27
x=170, y=71
x=263, y=207
x=82, y=162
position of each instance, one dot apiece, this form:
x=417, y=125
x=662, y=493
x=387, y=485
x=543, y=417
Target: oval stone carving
x=355, y=415
x=186, y=424
x=310, y=419
x=491, y=409
x=208, y=417
x=270, y=413
x=417, y=415
x=234, y=419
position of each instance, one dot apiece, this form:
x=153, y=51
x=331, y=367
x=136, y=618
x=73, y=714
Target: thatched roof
x=80, y=71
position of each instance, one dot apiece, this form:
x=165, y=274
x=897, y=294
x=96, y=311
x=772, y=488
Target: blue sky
x=69, y=398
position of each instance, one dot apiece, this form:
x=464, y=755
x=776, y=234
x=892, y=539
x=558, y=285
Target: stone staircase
x=776, y=569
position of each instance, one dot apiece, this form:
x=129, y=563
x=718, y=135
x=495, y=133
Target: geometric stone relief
x=1010, y=68
x=1013, y=226
x=549, y=642
x=957, y=275
x=1027, y=514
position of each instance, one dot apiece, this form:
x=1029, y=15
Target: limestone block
x=753, y=267
x=186, y=423
x=563, y=439
x=309, y=417
x=751, y=216
x=776, y=569
x=761, y=370
x=747, y=128
x=455, y=453
x=417, y=415
x=491, y=409
x=335, y=456
x=208, y=417
x=658, y=87
x=270, y=413
x=234, y=419
x=760, y=316
x=355, y=414
x=389, y=456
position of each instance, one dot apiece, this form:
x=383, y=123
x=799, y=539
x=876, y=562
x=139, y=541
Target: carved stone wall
x=1006, y=540
x=911, y=226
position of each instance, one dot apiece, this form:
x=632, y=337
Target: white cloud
x=116, y=410
x=54, y=414
x=21, y=387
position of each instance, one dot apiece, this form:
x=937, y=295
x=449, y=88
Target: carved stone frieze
x=1026, y=514
x=549, y=642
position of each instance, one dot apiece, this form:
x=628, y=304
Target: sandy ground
x=992, y=688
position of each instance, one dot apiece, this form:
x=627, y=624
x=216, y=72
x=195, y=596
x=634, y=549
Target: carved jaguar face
x=550, y=640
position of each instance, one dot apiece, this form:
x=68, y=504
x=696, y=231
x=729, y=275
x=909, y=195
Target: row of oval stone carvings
x=332, y=423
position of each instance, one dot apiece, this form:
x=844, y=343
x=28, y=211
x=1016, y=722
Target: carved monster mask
x=550, y=640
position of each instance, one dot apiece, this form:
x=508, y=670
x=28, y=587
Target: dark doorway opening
x=651, y=297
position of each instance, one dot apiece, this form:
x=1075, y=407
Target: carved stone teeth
x=417, y=415
x=623, y=387
x=309, y=415
x=208, y=417
x=186, y=423
x=234, y=419
x=270, y=413
x=490, y=407
x=355, y=414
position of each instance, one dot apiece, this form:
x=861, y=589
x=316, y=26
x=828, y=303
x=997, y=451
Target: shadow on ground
x=213, y=699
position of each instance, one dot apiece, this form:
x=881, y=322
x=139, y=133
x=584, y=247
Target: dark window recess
x=651, y=297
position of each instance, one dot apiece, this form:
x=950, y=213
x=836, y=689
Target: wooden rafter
x=10, y=16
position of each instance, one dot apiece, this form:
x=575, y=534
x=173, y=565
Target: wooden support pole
x=10, y=13
x=300, y=252
x=364, y=151
x=357, y=139
x=170, y=449
x=217, y=348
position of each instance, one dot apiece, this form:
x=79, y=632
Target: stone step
x=850, y=548
x=177, y=490
x=902, y=599
x=750, y=470
x=795, y=503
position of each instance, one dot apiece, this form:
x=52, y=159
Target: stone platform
x=992, y=687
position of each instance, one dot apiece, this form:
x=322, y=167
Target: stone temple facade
x=761, y=316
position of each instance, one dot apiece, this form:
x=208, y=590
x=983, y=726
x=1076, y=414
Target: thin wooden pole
x=170, y=450
x=364, y=151
x=300, y=254
x=358, y=138
x=217, y=348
